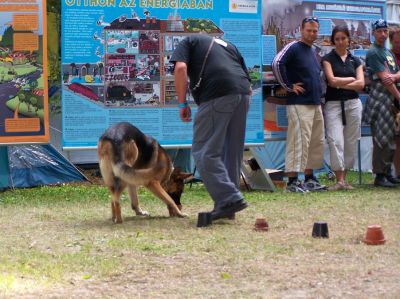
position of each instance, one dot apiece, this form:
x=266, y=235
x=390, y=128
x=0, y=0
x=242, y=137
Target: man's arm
x=181, y=85
x=279, y=67
x=390, y=87
x=243, y=64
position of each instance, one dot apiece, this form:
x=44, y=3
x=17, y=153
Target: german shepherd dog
x=128, y=158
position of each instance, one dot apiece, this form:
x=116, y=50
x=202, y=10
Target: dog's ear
x=185, y=175
x=180, y=175
x=177, y=170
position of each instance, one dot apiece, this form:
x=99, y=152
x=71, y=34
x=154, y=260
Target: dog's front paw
x=142, y=213
x=175, y=212
x=117, y=220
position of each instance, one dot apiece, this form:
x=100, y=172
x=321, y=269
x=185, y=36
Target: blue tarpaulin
x=37, y=165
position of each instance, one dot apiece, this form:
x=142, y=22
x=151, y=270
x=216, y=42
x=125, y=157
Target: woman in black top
x=344, y=74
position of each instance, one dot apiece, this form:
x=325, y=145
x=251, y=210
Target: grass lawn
x=59, y=242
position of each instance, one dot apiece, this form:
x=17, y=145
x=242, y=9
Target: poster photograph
x=281, y=25
x=23, y=72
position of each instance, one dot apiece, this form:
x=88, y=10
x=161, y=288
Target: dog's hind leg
x=114, y=184
x=116, y=190
x=132, y=190
x=116, y=207
x=156, y=189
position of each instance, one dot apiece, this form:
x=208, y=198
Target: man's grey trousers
x=218, y=143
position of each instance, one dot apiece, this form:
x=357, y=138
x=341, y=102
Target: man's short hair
x=393, y=31
x=308, y=20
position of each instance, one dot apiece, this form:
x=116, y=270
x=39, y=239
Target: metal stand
x=257, y=179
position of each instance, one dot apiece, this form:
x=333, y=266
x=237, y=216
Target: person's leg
x=396, y=160
x=382, y=157
x=315, y=156
x=352, y=132
x=209, y=132
x=234, y=141
x=335, y=138
x=292, y=147
x=297, y=141
x=390, y=150
x=378, y=164
x=315, y=149
x=298, y=137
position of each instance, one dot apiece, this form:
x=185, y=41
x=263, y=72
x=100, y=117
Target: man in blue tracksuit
x=297, y=69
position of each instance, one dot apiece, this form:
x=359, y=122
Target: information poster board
x=115, y=64
x=23, y=72
x=281, y=25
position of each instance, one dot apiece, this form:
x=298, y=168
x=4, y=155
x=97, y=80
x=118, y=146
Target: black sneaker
x=393, y=179
x=296, y=187
x=382, y=181
x=228, y=210
x=313, y=185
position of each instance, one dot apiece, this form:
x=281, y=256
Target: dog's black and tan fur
x=128, y=158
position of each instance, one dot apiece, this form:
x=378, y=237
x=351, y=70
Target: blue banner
x=115, y=64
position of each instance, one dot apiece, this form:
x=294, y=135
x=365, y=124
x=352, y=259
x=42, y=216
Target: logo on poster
x=243, y=6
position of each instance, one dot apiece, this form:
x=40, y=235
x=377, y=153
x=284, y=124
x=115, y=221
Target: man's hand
x=297, y=89
x=185, y=113
x=388, y=79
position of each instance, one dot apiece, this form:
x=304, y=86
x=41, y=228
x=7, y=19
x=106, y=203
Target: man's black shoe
x=393, y=179
x=383, y=182
x=228, y=210
x=231, y=217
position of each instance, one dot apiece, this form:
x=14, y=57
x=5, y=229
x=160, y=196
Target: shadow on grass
x=159, y=222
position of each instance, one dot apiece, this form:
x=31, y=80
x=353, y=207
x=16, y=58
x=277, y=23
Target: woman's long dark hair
x=340, y=28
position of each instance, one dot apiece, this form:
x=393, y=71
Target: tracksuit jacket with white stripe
x=297, y=62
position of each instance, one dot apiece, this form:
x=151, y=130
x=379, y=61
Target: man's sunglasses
x=310, y=19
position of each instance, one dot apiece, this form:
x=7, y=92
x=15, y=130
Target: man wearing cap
x=297, y=69
x=384, y=73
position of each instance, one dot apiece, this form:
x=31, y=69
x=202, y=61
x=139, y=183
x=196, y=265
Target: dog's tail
x=125, y=170
x=109, y=155
x=129, y=152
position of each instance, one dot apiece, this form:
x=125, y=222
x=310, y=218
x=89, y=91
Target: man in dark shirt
x=220, y=85
x=384, y=74
x=296, y=68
